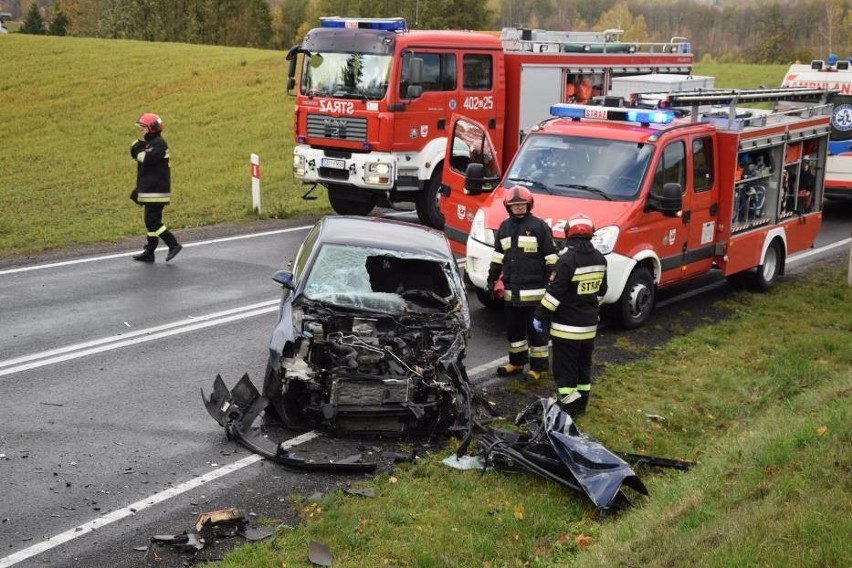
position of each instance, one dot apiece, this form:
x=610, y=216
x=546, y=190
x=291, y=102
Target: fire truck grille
x=341, y=128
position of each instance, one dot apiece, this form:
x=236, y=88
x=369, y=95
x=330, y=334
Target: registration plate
x=332, y=163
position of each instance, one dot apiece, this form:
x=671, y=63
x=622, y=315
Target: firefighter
x=153, y=184
x=524, y=254
x=571, y=308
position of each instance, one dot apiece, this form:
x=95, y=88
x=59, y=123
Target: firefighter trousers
x=156, y=229
x=572, y=365
x=526, y=345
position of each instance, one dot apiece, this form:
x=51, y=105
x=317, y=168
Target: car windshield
x=594, y=168
x=379, y=280
x=347, y=75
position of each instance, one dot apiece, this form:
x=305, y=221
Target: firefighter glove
x=138, y=146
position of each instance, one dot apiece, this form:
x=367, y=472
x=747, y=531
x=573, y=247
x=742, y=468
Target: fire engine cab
x=374, y=99
x=677, y=184
x=836, y=74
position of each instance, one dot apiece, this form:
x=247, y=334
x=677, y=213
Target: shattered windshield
x=593, y=168
x=347, y=75
x=375, y=279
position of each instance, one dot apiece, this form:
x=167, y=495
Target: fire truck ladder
x=719, y=97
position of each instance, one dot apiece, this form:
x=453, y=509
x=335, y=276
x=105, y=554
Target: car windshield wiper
x=590, y=189
x=533, y=182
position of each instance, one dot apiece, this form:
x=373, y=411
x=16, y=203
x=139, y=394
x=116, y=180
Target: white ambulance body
x=836, y=75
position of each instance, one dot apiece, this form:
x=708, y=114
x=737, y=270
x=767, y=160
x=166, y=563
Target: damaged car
x=370, y=339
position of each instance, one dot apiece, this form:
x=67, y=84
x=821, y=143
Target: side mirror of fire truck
x=291, y=70
x=667, y=200
x=475, y=180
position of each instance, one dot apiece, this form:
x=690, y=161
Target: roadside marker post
x=255, y=183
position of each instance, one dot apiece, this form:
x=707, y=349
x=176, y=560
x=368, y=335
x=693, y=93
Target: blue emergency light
x=384, y=24
x=644, y=116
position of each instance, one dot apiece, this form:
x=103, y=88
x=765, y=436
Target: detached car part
x=555, y=449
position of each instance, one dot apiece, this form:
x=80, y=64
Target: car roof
x=383, y=233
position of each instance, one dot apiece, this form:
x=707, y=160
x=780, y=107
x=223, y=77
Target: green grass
x=764, y=411
x=69, y=107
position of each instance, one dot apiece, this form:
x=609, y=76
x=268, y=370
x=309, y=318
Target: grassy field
x=769, y=428
x=70, y=105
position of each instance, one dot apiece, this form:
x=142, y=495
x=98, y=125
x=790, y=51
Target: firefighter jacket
x=571, y=300
x=153, y=174
x=525, y=253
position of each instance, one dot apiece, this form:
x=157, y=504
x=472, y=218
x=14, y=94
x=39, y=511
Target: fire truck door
x=667, y=235
x=425, y=117
x=468, y=142
x=700, y=205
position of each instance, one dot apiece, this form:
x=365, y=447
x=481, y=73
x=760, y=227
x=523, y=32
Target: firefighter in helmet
x=153, y=184
x=524, y=255
x=571, y=308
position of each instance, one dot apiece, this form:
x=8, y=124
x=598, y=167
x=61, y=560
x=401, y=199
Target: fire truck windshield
x=592, y=168
x=346, y=75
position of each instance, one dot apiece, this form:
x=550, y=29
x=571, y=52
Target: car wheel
x=343, y=202
x=637, y=300
x=428, y=202
x=767, y=273
x=488, y=300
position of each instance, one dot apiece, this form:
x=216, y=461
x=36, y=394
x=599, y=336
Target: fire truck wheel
x=766, y=274
x=488, y=300
x=428, y=204
x=637, y=300
x=343, y=204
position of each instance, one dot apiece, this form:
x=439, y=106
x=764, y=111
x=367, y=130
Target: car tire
x=637, y=301
x=767, y=273
x=488, y=300
x=343, y=202
x=428, y=202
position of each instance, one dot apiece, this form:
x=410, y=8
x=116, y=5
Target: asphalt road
x=105, y=440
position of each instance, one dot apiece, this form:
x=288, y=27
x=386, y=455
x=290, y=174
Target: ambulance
x=834, y=74
x=677, y=184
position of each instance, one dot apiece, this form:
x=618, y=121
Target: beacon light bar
x=384, y=24
x=643, y=116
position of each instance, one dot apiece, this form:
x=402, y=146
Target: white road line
x=123, y=254
x=143, y=504
x=67, y=353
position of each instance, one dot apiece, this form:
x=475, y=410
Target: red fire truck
x=374, y=99
x=677, y=184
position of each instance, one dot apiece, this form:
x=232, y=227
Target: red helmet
x=150, y=122
x=580, y=226
x=516, y=195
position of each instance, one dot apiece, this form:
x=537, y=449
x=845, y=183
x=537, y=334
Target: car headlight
x=478, y=231
x=605, y=238
x=298, y=165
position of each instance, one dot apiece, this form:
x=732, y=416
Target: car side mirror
x=285, y=278
x=474, y=178
x=668, y=200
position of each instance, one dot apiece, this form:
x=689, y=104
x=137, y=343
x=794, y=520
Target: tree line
x=777, y=31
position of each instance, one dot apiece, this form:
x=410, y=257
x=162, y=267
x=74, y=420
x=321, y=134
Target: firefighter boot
x=509, y=369
x=582, y=403
x=569, y=403
x=174, y=246
x=147, y=254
